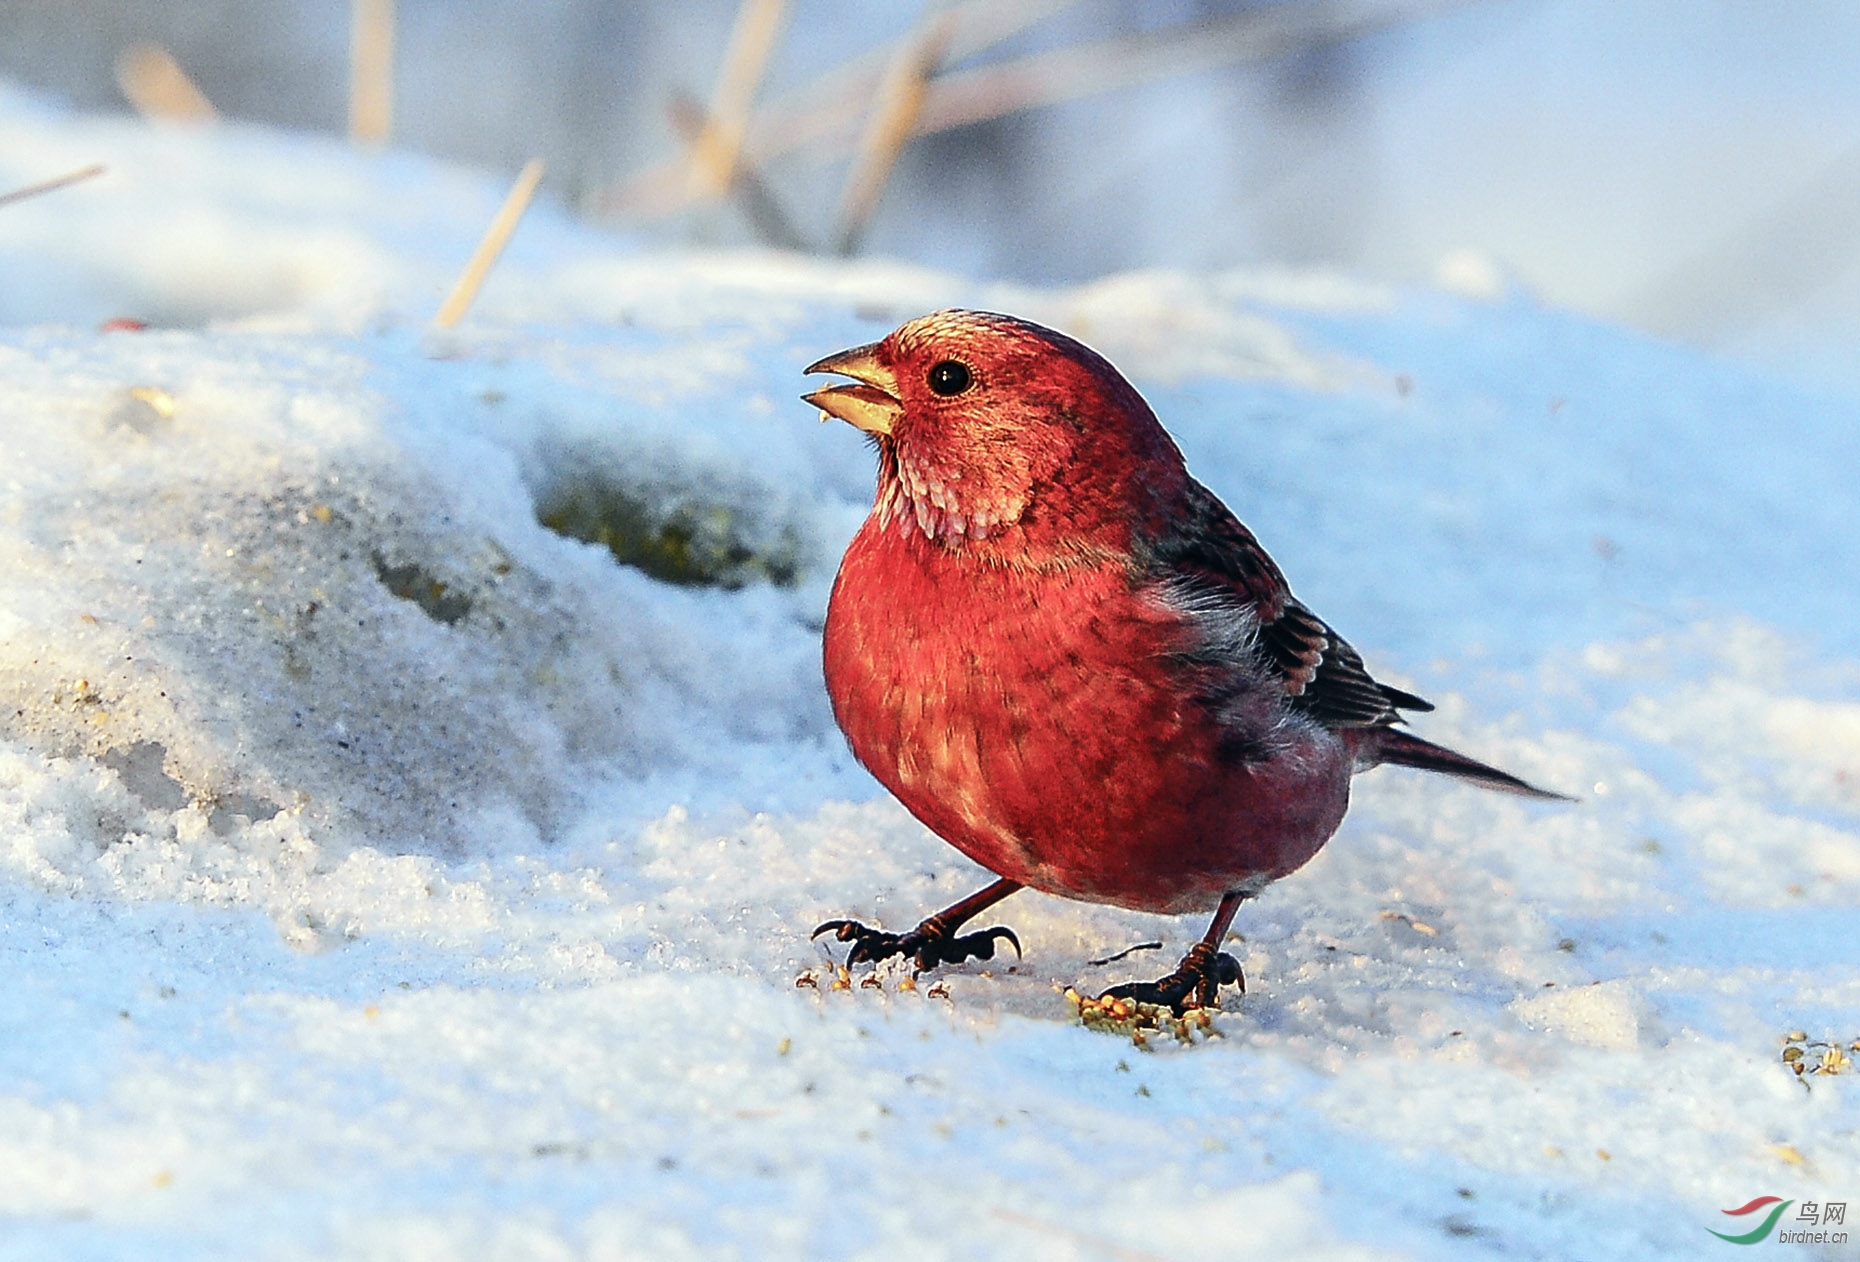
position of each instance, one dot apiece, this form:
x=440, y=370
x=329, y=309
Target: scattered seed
x=157, y=400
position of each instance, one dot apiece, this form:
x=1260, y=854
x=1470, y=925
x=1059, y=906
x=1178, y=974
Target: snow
x=386, y=875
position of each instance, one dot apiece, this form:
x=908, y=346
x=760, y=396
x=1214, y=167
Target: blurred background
x=1689, y=167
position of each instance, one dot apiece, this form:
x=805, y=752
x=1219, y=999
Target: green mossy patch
x=679, y=539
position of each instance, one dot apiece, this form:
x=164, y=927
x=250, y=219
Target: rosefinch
x=1069, y=659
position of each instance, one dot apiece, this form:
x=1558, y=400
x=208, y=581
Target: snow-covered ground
x=388, y=875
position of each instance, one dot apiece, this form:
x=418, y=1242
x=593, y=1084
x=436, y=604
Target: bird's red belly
x=1038, y=723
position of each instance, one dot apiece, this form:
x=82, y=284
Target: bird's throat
x=940, y=503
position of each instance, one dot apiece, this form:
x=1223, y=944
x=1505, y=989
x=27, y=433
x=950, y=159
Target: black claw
x=873, y=948
x=1004, y=934
x=929, y=945
x=970, y=946
x=1196, y=982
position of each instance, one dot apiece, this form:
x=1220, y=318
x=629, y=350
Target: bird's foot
x=1196, y=982
x=929, y=945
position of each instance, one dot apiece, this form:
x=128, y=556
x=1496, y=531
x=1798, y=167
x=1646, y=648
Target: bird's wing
x=1217, y=569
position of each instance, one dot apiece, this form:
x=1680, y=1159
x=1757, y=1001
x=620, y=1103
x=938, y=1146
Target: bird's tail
x=1405, y=750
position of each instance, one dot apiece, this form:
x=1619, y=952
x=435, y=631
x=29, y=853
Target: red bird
x=1068, y=658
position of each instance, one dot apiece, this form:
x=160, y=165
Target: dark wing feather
x=1211, y=552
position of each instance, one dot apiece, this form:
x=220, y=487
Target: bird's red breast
x=1043, y=723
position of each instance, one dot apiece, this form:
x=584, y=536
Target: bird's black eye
x=950, y=377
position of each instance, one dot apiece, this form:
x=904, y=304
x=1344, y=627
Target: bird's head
x=986, y=423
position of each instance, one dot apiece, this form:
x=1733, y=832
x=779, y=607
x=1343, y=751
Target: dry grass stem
x=485, y=257
x=714, y=155
x=371, y=72
x=894, y=120
x=1086, y=70
x=822, y=118
x=769, y=221
x=158, y=88
x=54, y=184
x=830, y=107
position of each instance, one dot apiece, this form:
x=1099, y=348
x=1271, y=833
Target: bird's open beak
x=872, y=405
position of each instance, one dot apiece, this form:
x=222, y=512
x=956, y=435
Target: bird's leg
x=1197, y=980
x=933, y=942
